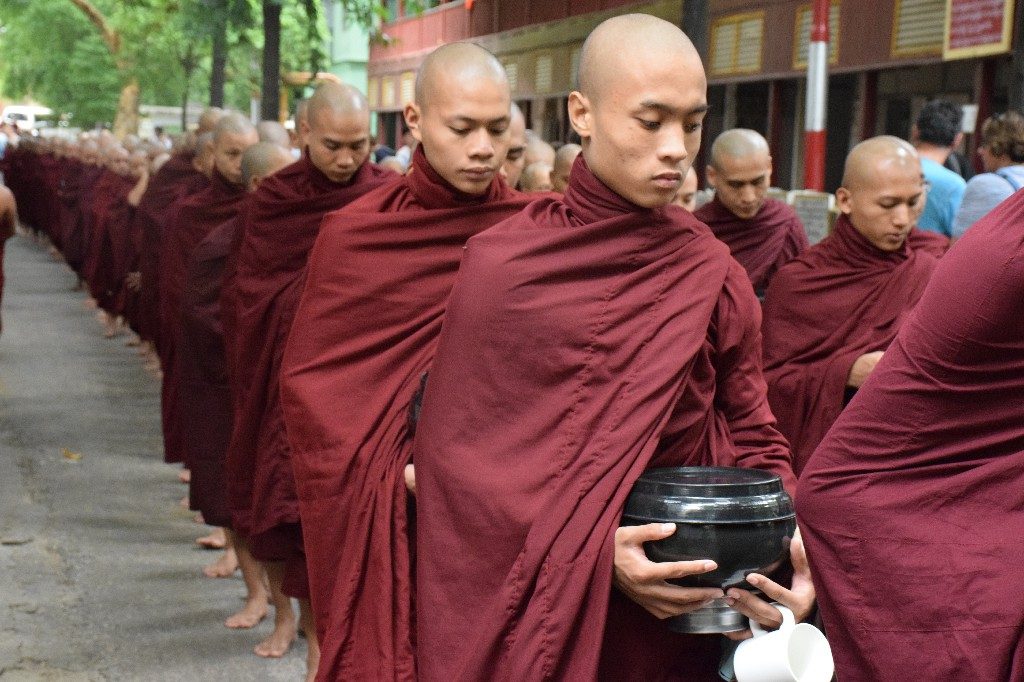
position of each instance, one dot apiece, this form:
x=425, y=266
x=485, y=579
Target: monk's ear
x=413, y=114
x=580, y=115
x=711, y=176
x=843, y=200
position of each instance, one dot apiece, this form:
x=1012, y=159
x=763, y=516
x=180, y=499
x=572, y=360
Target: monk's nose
x=481, y=144
x=673, y=145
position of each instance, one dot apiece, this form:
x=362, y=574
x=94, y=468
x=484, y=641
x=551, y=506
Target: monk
x=538, y=151
x=536, y=178
x=364, y=335
x=686, y=197
x=275, y=133
x=587, y=339
x=830, y=314
x=8, y=223
x=565, y=157
x=188, y=221
x=203, y=372
x=763, y=234
x=515, y=159
x=911, y=505
x=278, y=233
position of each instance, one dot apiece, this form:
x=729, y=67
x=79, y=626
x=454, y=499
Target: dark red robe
x=187, y=223
x=930, y=242
x=175, y=179
x=586, y=340
x=841, y=299
x=7, y=225
x=366, y=330
x=280, y=228
x=203, y=373
x=762, y=244
x=912, y=507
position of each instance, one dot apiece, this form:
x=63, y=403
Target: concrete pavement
x=99, y=577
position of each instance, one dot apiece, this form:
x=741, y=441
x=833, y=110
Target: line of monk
x=417, y=402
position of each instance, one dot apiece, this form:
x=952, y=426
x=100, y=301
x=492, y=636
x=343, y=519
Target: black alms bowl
x=742, y=519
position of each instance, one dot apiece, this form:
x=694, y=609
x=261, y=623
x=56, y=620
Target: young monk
x=830, y=314
x=204, y=379
x=188, y=221
x=763, y=234
x=364, y=334
x=911, y=506
x=515, y=159
x=280, y=228
x=565, y=157
x=588, y=339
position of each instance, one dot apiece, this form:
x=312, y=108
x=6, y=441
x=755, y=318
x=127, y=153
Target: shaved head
x=539, y=151
x=883, y=192
x=233, y=124
x=564, y=158
x=461, y=61
x=336, y=130
x=739, y=143
x=336, y=98
x=263, y=159
x=867, y=158
x=208, y=119
x=536, y=178
x=603, y=54
x=639, y=111
x=203, y=158
x=274, y=132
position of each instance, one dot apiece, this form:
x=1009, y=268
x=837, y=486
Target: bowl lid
x=709, y=494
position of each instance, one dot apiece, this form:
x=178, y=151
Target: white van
x=28, y=117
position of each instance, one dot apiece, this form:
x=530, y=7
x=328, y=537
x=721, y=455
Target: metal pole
x=817, y=96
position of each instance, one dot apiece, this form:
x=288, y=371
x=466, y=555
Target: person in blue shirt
x=935, y=134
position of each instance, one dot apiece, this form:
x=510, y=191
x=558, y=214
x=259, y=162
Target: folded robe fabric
x=206, y=412
x=175, y=179
x=912, y=507
x=187, y=223
x=839, y=300
x=366, y=330
x=280, y=227
x=761, y=244
x=586, y=340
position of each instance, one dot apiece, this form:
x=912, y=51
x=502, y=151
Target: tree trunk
x=270, y=108
x=188, y=66
x=218, y=61
x=127, y=120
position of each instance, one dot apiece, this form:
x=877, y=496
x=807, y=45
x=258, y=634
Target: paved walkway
x=99, y=579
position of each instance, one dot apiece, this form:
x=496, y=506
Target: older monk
x=379, y=278
x=279, y=230
x=515, y=159
x=762, y=234
x=188, y=221
x=588, y=339
x=911, y=505
x=830, y=314
x=565, y=157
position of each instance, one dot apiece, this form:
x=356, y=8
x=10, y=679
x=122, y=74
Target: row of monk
x=417, y=402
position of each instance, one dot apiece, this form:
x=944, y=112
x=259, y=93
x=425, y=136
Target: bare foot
x=278, y=643
x=133, y=341
x=224, y=567
x=254, y=611
x=183, y=502
x=185, y=476
x=215, y=540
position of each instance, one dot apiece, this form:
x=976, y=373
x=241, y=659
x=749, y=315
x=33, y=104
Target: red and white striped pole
x=817, y=97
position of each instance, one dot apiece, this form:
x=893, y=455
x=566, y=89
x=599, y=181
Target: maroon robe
x=762, y=244
x=187, y=223
x=586, y=340
x=100, y=268
x=841, y=299
x=912, y=507
x=204, y=374
x=7, y=225
x=366, y=330
x=83, y=198
x=175, y=179
x=280, y=228
x=930, y=242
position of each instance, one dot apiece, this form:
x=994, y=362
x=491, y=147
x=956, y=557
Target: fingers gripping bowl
x=742, y=519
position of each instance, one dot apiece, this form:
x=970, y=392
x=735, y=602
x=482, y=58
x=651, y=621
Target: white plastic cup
x=793, y=653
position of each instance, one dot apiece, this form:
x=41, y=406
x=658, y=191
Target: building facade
x=887, y=57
